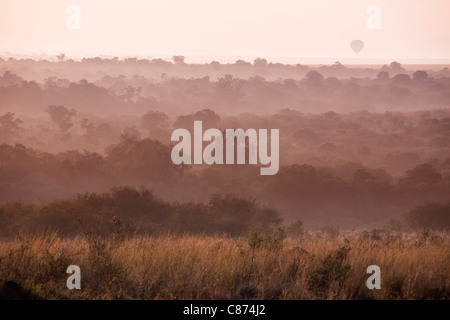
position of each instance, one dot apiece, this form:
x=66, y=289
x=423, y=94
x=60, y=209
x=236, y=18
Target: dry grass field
x=327, y=264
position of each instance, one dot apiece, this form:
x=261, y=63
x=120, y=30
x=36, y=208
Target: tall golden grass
x=313, y=265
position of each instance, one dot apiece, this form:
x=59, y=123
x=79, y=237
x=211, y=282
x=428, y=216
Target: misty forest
x=85, y=157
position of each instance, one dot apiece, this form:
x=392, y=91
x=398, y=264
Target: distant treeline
x=302, y=88
x=95, y=67
x=299, y=191
x=392, y=141
x=125, y=212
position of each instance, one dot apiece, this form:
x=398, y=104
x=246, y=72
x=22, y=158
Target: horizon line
x=227, y=59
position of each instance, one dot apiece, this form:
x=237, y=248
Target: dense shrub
x=126, y=211
x=430, y=215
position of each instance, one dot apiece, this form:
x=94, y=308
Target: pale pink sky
x=411, y=30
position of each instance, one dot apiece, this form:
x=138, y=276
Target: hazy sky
x=210, y=29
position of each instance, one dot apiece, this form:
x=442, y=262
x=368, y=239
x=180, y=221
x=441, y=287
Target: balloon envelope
x=357, y=45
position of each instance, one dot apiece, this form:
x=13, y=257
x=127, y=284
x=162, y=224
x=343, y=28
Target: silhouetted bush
x=430, y=215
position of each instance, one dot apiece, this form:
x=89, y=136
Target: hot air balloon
x=357, y=46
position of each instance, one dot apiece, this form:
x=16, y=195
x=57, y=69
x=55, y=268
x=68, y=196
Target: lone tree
x=61, y=57
x=383, y=75
x=260, y=62
x=420, y=75
x=9, y=125
x=61, y=116
x=424, y=174
x=313, y=76
x=396, y=67
x=179, y=59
